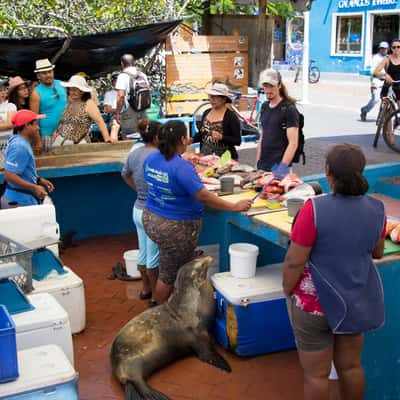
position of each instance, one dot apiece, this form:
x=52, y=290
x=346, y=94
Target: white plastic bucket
x=243, y=260
x=130, y=258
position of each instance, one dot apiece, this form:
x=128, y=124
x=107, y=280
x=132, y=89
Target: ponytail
x=170, y=138
x=283, y=92
x=353, y=184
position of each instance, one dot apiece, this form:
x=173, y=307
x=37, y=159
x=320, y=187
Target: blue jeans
x=148, y=250
x=372, y=101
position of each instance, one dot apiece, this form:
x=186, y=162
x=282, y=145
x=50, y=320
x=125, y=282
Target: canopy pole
x=306, y=57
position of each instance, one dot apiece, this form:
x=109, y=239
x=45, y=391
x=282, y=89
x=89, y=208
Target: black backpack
x=139, y=97
x=300, y=146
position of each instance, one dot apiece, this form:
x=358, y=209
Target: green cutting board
x=391, y=248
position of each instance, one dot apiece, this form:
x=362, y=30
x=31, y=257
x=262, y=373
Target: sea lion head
x=193, y=297
x=193, y=273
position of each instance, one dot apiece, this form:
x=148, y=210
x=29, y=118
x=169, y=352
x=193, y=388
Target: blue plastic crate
x=8, y=347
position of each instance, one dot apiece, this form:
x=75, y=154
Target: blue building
x=345, y=33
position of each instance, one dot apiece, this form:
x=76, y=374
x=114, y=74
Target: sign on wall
x=361, y=4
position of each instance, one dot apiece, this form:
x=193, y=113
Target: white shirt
x=123, y=83
x=375, y=61
x=110, y=98
x=6, y=108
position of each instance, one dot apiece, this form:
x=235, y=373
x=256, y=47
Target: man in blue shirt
x=49, y=98
x=23, y=186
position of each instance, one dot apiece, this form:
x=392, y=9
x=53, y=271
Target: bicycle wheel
x=198, y=115
x=383, y=110
x=313, y=75
x=391, y=130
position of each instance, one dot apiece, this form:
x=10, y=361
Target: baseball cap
x=23, y=117
x=383, y=45
x=270, y=77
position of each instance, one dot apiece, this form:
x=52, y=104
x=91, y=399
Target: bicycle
x=249, y=125
x=313, y=72
x=387, y=109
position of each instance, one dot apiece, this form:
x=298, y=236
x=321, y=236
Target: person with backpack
x=134, y=96
x=282, y=140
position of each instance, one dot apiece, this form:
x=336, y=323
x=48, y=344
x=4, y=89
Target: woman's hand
x=242, y=205
x=388, y=79
x=217, y=135
x=112, y=140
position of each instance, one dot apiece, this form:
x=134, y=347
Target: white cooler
x=44, y=374
x=69, y=291
x=47, y=324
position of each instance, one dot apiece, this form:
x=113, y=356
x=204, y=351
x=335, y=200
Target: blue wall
x=321, y=29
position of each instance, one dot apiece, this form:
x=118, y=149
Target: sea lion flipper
x=145, y=392
x=205, y=352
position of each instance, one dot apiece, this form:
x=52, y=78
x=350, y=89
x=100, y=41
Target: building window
x=348, y=34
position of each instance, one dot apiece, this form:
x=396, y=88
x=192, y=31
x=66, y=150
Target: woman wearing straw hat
x=220, y=127
x=75, y=123
x=18, y=93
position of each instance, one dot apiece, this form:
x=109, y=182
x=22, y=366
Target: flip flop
x=145, y=296
x=152, y=303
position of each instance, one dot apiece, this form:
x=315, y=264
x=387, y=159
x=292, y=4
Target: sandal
x=145, y=296
x=152, y=303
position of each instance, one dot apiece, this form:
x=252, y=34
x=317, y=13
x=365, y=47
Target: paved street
x=333, y=116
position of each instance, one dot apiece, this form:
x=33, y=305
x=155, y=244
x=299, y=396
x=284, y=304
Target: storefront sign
x=355, y=4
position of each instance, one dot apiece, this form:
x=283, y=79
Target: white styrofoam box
x=25, y=224
x=44, y=374
x=266, y=285
x=69, y=291
x=48, y=323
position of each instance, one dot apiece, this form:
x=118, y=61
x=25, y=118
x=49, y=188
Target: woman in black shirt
x=220, y=127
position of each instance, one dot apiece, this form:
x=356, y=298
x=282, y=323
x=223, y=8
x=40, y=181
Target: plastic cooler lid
x=266, y=285
x=56, y=282
x=48, y=312
x=39, y=367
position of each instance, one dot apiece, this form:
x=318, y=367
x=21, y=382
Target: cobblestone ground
x=316, y=148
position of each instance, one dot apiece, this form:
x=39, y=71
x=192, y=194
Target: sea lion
x=162, y=334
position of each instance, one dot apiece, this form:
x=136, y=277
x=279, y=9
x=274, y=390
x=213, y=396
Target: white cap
x=383, y=45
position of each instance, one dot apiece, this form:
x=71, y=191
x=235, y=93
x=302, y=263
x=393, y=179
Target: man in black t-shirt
x=279, y=124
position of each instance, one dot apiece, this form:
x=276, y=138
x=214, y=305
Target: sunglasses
x=395, y=47
x=55, y=94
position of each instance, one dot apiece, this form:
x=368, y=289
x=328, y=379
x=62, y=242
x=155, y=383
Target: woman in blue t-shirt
x=174, y=208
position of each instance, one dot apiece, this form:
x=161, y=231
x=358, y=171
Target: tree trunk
x=263, y=57
x=205, y=22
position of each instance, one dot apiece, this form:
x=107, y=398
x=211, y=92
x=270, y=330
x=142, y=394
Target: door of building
x=385, y=28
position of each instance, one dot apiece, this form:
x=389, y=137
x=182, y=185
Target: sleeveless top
x=347, y=281
x=394, y=70
x=53, y=101
x=75, y=123
x=209, y=145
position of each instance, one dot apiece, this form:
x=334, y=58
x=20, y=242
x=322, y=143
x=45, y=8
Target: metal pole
x=306, y=57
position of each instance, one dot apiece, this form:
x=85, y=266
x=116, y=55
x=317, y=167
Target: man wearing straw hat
x=48, y=98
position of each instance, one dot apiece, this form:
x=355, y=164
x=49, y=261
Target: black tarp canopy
x=96, y=54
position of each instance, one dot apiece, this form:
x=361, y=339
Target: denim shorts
x=148, y=250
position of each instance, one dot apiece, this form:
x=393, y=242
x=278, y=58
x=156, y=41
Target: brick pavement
x=316, y=148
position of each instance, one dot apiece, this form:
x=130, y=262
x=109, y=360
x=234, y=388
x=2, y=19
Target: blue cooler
x=45, y=373
x=251, y=314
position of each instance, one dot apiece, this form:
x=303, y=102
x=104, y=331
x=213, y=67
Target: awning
x=96, y=54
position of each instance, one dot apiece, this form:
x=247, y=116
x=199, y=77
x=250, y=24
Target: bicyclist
x=389, y=69
x=220, y=127
x=277, y=145
x=376, y=83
